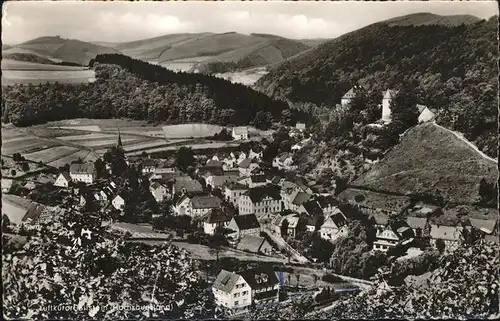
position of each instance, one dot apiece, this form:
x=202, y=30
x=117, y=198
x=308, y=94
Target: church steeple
x=119, y=141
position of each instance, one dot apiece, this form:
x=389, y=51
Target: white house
x=233, y=191
x=300, y=126
x=119, y=202
x=232, y=291
x=348, y=97
x=386, y=105
x=6, y=185
x=240, y=133
x=63, y=180
x=197, y=205
x=213, y=219
x=255, y=155
x=159, y=191
x=260, y=200
x=334, y=226
x=85, y=173
x=391, y=236
x=426, y=114
x=284, y=161
x=244, y=225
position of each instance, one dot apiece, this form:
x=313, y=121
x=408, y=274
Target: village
x=249, y=203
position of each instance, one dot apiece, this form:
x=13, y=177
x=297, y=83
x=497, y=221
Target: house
x=232, y=291
x=215, y=218
x=255, y=154
x=196, y=205
x=148, y=166
x=284, y=161
x=371, y=203
x=22, y=211
x=292, y=221
x=6, y=185
x=386, y=105
x=417, y=224
x=260, y=200
x=295, y=200
x=254, y=244
x=233, y=191
x=219, y=180
x=391, y=236
x=229, y=163
x=348, y=97
x=450, y=235
x=253, y=180
x=238, y=156
x=63, y=180
x=159, y=191
x=327, y=203
x=119, y=201
x=313, y=211
x=264, y=284
x=422, y=209
x=85, y=173
x=300, y=126
x=425, y=114
x=334, y=226
x=246, y=166
x=244, y=225
x=240, y=133
x=186, y=184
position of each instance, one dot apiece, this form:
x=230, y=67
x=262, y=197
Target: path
x=282, y=244
x=462, y=138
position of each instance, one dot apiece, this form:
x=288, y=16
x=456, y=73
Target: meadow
x=191, y=130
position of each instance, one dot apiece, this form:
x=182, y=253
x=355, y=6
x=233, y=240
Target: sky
x=128, y=21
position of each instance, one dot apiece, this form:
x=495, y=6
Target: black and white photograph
x=250, y=160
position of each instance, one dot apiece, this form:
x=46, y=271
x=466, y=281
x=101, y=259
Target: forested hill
x=451, y=68
x=130, y=88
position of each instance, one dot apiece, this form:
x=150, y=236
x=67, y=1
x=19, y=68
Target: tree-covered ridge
x=130, y=88
x=452, y=69
x=74, y=262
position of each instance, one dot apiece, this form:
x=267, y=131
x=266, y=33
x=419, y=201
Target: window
x=236, y=302
x=245, y=293
x=236, y=295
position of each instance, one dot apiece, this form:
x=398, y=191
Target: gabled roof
x=225, y=281
x=246, y=222
x=416, y=222
x=156, y=185
x=421, y=108
x=338, y=219
x=486, y=226
x=188, y=183
x=292, y=219
x=245, y=163
x=65, y=175
x=87, y=168
x=235, y=186
x=199, y=202
x=451, y=233
x=258, y=178
x=258, y=193
x=214, y=163
x=250, y=243
x=222, y=179
x=390, y=93
x=240, y=130
x=350, y=94
x=300, y=198
x=260, y=277
x=326, y=201
x=312, y=208
x=216, y=215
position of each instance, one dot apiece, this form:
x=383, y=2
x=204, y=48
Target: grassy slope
x=56, y=48
x=427, y=159
x=425, y=18
x=28, y=58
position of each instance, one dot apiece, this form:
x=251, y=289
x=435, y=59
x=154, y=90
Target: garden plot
x=51, y=154
x=83, y=155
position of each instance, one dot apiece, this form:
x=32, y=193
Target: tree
x=440, y=245
x=262, y=120
x=284, y=228
x=5, y=223
x=25, y=167
x=403, y=110
x=218, y=241
x=286, y=117
x=13, y=172
x=184, y=158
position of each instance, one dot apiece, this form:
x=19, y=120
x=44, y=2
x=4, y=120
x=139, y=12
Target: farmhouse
x=215, y=218
x=392, y=236
x=450, y=235
x=159, y=191
x=186, y=184
x=63, y=180
x=233, y=191
x=260, y=200
x=196, y=205
x=334, y=226
x=264, y=284
x=254, y=244
x=85, y=173
x=244, y=225
x=240, y=133
x=389, y=95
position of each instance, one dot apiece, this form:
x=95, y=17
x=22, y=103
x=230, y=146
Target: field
x=21, y=72
x=191, y=130
x=246, y=77
x=50, y=154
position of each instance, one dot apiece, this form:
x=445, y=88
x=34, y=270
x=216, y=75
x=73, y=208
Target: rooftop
x=260, y=278
x=199, y=202
x=246, y=222
x=188, y=183
x=225, y=281
x=87, y=168
x=216, y=215
x=258, y=193
x=451, y=233
x=240, y=130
